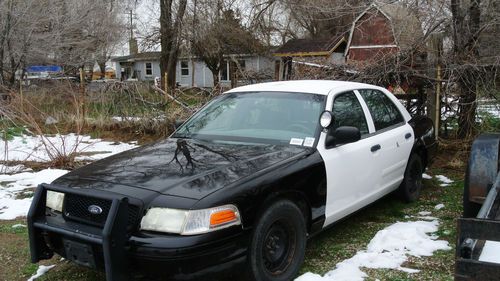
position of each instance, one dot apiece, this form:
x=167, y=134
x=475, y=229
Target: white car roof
x=322, y=87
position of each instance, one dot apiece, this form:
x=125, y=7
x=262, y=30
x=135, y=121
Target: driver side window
x=347, y=111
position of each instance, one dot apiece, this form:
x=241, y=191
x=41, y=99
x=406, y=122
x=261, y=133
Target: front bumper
x=115, y=248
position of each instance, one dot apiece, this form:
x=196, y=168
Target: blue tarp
x=44, y=68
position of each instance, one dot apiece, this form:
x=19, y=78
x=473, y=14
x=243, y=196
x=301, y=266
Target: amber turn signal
x=223, y=217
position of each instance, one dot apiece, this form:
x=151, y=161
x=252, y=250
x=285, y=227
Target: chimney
x=133, y=47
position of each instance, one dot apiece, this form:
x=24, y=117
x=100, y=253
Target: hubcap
x=279, y=247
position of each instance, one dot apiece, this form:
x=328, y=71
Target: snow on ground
x=445, y=181
x=439, y=206
x=126, y=119
x=426, y=176
x=491, y=252
x=389, y=249
x=11, y=186
x=42, y=269
x=39, y=149
x=19, y=225
x=17, y=182
x=12, y=169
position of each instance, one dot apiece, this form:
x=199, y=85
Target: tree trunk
x=169, y=38
x=102, y=67
x=466, y=21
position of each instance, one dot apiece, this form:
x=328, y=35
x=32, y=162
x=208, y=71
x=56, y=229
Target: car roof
x=322, y=87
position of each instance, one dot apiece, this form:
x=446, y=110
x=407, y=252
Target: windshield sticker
x=309, y=142
x=296, y=141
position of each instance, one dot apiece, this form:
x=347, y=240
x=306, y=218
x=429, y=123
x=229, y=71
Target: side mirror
x=342, y=135
x=178, y=123
x=326, y=119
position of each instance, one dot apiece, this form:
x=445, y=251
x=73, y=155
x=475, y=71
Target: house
x=309, y=51
x=379, y=30
x=193, y=72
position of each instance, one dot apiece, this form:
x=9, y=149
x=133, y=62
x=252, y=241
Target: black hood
x=179, y=167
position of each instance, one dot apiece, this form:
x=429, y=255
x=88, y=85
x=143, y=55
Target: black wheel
x=278, y=243
x=409, y=189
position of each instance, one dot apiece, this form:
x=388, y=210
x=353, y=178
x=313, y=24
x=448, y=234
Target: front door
x=351, y=167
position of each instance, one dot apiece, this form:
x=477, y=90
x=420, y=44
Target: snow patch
x=444, y=179
x=11, y=186
x=424, y=213
x=12, y=169
x=439, y=206
x=42, y=269
x=18, y=225
x=389, y=248
x=426, y=176
x=40, y=148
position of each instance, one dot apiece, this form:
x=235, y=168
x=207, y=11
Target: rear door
x=393, y=137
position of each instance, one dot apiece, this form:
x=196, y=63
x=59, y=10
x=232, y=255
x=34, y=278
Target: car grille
x=76, y=207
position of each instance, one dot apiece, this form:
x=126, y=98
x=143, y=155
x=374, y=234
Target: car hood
x=179, y=167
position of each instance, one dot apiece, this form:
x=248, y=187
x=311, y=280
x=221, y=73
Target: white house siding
x=202, y=75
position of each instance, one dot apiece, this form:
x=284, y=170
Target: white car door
x=350, y=167
x=393, y=136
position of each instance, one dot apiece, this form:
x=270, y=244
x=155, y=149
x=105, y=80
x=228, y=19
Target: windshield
x=263, y=117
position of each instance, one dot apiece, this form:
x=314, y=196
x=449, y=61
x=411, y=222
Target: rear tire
x=278, y=243
x=411, y=186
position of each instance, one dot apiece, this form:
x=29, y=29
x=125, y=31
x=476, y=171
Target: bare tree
x=68, y=33
x=221, y=34
x=171, y=18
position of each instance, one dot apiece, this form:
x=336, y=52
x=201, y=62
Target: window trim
x=146, y=69
x=184, y=68
x=226, y=66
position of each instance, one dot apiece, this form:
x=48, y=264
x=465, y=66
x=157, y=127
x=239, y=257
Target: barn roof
x=310, y=47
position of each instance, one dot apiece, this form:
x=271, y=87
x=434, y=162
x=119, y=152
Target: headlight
x=190, y=222
x=55, y=200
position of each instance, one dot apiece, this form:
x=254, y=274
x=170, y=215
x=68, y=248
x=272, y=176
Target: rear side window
x=348, y=112
x=384, y=112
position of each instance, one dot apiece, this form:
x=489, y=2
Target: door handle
x=375, y=147
x=408, y=135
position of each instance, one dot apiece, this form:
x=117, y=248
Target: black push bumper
x=112, y=238
x=114, y=249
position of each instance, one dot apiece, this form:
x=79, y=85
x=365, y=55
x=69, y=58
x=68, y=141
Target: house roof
x=155, y=56
x=310, y=47
x=405, y=25
x=145, y=56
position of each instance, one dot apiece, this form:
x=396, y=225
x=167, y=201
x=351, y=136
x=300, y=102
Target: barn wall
x=373, y=28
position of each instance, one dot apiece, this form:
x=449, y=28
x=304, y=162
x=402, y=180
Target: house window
x=224, y=71
x=149, y=69
x=242, y=65
x=184, y=68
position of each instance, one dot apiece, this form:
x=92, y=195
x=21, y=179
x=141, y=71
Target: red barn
x=382, y=29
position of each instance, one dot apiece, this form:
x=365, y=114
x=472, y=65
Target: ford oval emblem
x=94, y=209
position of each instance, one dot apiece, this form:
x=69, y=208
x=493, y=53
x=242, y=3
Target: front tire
x=278, y=243
x=411, y=186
